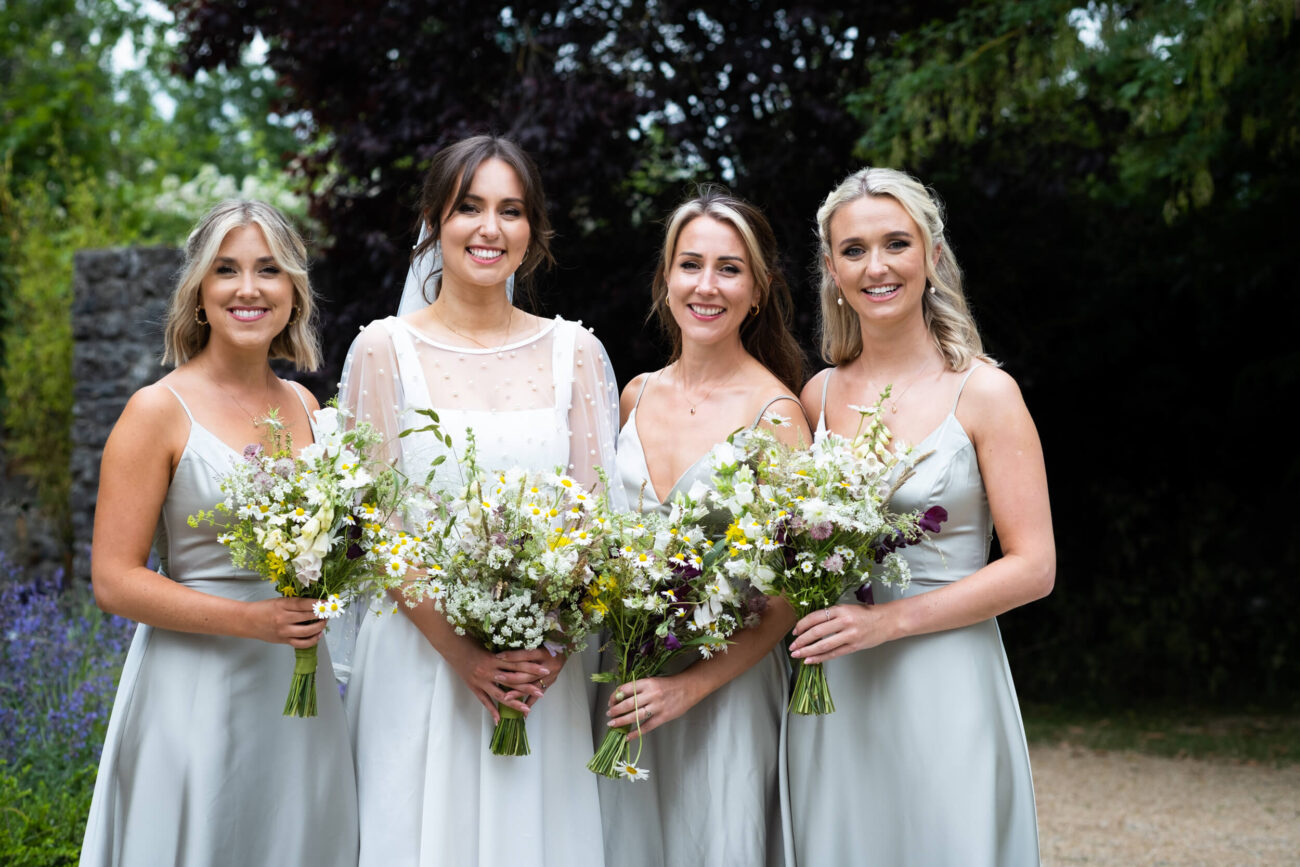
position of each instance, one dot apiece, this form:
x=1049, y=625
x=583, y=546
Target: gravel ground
x=1126, y=809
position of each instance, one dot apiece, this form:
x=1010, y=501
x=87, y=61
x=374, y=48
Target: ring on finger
x=618, y=696
x=828, y=616
x=648, y=713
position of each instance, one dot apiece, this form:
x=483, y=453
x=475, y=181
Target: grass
x=1256, y=737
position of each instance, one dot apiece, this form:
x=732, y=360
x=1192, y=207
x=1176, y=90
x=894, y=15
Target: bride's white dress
x=429, y=790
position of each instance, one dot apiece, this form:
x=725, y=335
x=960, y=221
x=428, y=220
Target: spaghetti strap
x=768, y=405
x=301, y=400
x=962, y=387
x=642, y=391
x=179, y=400
x=821, y=412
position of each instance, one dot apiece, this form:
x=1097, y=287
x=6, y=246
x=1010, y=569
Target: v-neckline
x=645, y=463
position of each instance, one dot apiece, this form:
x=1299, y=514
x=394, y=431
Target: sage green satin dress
x=924, y=760
x=200, y=767
x=715, y=794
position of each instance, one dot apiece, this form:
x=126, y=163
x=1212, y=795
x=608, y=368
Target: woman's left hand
x=830, y=632
x=541, y=656
x=651, y=701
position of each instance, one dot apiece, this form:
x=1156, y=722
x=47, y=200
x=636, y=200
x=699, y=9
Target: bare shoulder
x=305, y=393
x=782, y=411
x=629, y=396
x=992, y=405
x=991, y=389
x=152, y=416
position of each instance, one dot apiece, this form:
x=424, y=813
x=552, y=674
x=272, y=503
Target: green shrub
x=44, y=223
x=42, y=825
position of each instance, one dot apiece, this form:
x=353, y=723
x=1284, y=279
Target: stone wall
x=120, y=304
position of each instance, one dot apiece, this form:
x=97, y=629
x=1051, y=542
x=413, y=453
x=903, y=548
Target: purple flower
x=834, y=563
x=821, y=531
x=685, y=571
x=252, y=452
x=355, y=552
x=865, y=595
x=933, y=517
x=671, y=642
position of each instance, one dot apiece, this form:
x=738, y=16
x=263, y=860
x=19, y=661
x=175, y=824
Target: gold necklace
x=681, y=384
x=893, y=399
x=251, y=417
x=445, y=324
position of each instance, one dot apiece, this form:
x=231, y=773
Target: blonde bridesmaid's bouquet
x=661, y=597
x=514, y=564
x=810, y=525
x=317, y=525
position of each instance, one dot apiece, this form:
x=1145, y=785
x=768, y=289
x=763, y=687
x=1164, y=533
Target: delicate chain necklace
x=681, y=384
x=251, y=417
x=893, y=399
x=445, y=324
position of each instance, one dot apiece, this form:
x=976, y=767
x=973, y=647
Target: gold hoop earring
x=293, y=320
x=199, y=310
x=753, y=311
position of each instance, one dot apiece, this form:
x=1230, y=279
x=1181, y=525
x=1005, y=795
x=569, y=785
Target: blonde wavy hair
x=184, y=336
x=947, y=315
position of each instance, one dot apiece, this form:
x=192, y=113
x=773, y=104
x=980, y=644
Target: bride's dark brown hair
x=447, y=183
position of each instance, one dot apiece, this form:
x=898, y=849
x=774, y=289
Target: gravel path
x=1126, y=809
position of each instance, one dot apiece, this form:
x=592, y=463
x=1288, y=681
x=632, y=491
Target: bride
x=537, y=393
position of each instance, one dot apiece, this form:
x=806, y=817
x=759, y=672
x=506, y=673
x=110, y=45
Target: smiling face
x=485, y=237
x=245, y=294
x=710, y=282
x=878, y=258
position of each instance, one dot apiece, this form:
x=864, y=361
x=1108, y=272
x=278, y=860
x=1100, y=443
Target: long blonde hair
x=947, y=315
x=185, y=336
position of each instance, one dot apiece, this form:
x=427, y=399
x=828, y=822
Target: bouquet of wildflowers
x=514, y=565
x=316, y=525
x=810, y=525
x=659, y=598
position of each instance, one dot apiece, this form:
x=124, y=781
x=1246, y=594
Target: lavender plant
x=60, y=658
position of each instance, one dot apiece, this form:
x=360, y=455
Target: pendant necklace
x=696, y=404
x=251, y=417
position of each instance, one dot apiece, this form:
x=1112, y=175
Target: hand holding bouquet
x=660, y=598
x=316, y=525
x=514, y=565
x=810, y=525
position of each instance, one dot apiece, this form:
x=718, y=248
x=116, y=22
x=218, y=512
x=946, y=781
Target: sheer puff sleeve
x=371, y=391
x=593, y=415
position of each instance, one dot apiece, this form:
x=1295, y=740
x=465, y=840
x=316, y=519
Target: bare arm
x=1011, y=463
x=135, y=473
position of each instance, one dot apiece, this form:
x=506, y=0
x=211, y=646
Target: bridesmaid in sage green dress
x=712, y=730
x=924, y=759
x=200, y=766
